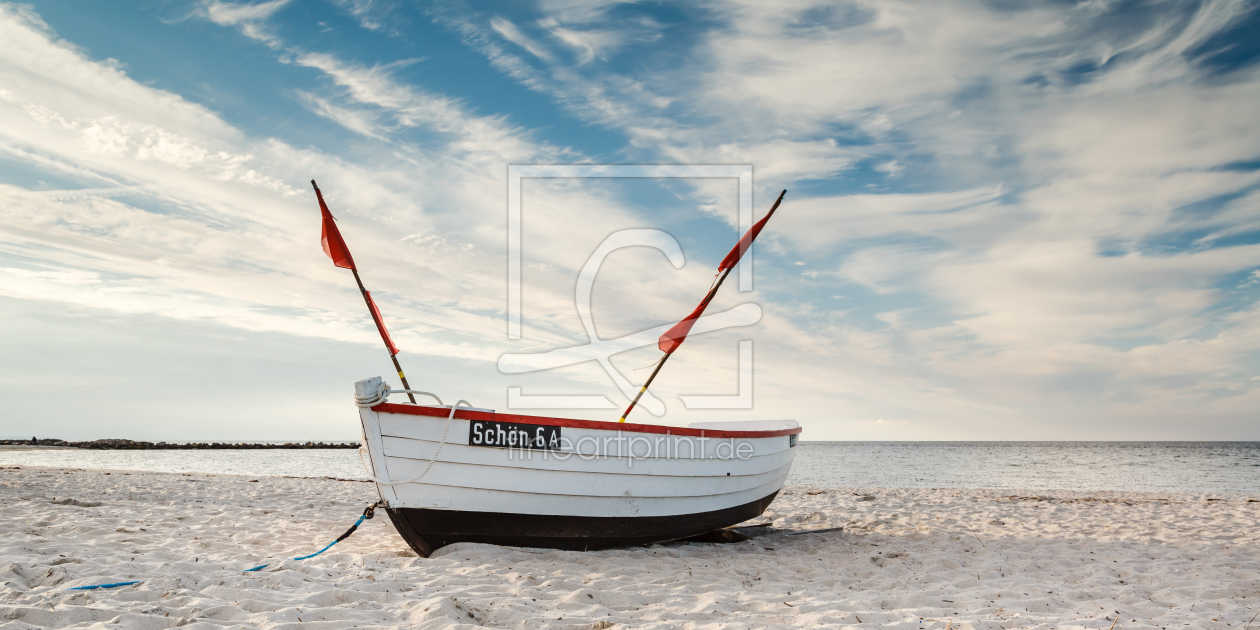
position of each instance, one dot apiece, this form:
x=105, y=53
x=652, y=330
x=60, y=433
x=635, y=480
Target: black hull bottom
x=428, y=530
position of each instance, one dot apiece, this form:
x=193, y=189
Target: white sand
x=906, y=559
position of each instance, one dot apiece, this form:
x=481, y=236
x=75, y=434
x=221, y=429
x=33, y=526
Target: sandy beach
x=979, y=559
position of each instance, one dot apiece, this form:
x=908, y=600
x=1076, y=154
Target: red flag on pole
x=678, y=333
x=380, y=323
x=336, y=249
x=674, y=337
x=330, y=238
x=745, y=243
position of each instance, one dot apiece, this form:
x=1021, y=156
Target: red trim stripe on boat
x=468, y=414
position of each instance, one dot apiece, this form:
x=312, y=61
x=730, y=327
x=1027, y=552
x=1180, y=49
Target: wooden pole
x=381, y=328
x=661, y=363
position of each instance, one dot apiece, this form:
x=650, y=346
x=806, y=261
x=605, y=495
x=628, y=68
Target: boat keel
x=427, y=530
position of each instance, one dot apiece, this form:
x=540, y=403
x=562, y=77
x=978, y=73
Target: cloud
x=485, y=137
x=614, y=100
x=592, y=43
x=249, y=18
x=357, y=121
x=510, y=32
x=965, y=218
x=889, y=268
x=406, y=106
x=581, y=11
x=373, y=15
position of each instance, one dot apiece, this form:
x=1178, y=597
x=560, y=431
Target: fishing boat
x=455, y=473
x=450, y=474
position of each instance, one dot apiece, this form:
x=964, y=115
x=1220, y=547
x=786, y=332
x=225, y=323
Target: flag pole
x=348, y=263
x=392, y=357
x=678, y=333
x=660, y=364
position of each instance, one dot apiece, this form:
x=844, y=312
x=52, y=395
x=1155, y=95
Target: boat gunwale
x=599, y=425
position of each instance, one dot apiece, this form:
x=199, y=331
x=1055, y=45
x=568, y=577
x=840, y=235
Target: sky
x=1004, y=221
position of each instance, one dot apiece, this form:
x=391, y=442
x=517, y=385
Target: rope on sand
x=115, y=584
x=368, y=513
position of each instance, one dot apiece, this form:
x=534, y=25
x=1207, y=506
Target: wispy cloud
x=592, y=43
x=357, y=121
x=509, y=32
x=374, y=15
x=251, y=19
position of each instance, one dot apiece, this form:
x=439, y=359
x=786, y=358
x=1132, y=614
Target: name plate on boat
x=513, y=435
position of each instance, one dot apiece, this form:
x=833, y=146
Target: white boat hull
x=591, y=485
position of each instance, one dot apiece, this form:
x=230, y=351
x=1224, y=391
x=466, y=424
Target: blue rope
x=115, y=584
x=343, y=537
x=366, y=515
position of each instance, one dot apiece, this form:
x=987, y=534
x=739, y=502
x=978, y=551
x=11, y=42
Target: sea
x=1195, y=467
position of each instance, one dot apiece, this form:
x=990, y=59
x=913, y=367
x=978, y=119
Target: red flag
x=677, y=334
x=744, y=243
x=380, y=323
x=330, y=238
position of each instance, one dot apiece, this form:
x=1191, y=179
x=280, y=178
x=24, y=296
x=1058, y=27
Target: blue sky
x=1031, y=221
